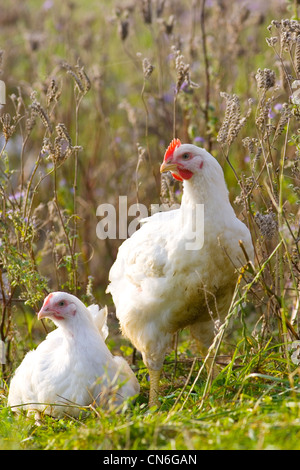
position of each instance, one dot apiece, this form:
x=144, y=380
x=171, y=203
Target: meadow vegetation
x=95, y=91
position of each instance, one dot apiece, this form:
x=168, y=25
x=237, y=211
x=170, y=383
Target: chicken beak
x=165, y=166
x=42, y=314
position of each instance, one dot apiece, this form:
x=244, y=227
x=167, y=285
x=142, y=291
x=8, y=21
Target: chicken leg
x=154, y=387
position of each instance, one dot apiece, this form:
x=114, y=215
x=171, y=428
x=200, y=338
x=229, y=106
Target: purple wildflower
x=198, y=140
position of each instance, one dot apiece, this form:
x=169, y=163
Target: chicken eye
x=61, y=303
x=185, y=156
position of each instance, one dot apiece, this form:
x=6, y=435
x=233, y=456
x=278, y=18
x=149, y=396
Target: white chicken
x=162, y=282
x=73, y=366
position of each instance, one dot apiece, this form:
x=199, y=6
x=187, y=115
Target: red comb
x=47, y=300
x=170, y=150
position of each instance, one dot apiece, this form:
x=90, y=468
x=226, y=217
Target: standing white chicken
x=160, y=282
x=73, y=366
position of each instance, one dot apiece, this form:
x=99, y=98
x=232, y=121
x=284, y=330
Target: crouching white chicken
x=73, y=366
x=180, y=268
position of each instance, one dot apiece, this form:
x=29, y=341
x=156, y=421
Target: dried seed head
x=47, y=147
x=79, y=75
x=122, y=15
x=147, y=68
x=89, y=289
x=257, y=155
x=250, y=144
x=160, y=5
x=274, y=23
x=7, y=127
x=272, y=41
x=141, y=152
x=183, y=71
x=287, y=30
x=83, y=77
x=18, y=104
x=61, y=148
x=286, y=113
x=254, y=148
x=267, y=224
x=63, y=133
x=146, y=6
x=265, y=79
x=38, y=110
x=233, y=121
x=286, y=40
x=123, y=29
x=53, y=93
x=262, y=115
x=30, y=121
x=297, y=55
x=232, y=107
x=169, y=24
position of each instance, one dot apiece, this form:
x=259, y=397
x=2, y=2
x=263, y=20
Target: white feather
x=72, y=367
x=159, y=287
x=100, y=319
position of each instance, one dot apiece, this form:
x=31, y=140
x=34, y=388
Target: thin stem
x=174, y=115
x=283, y=309
x=157, y=180
x=207, y=74
x=296, y=9
x=78, y=101
x=62, y=222
x=37, y=163
x=22, y=160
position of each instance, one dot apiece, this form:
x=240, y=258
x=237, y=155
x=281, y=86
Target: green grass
x=265, y=416
x=253, y=406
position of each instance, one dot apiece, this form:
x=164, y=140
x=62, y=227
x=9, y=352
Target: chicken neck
x=209, y=190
